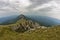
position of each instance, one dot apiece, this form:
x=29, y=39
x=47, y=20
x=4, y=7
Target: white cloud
x=19, y=4
x=54, y=9
x=15, y=4
x=9, y=6
x=41, y=6
x=31, y=6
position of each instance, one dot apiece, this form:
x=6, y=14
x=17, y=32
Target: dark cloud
x=39, y=2
x=2, y=3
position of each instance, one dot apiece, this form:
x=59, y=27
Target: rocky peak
x=25, y=25
x=21, y=16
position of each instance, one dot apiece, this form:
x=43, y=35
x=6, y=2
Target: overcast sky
x=49, y=8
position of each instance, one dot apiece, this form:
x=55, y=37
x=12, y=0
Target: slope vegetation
x=26, y=29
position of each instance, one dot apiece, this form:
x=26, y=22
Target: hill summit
x=12, y=21
x=24, y=24
x=26, y=29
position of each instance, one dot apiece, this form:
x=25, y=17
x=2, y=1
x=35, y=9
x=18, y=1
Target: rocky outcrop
x=27, y=25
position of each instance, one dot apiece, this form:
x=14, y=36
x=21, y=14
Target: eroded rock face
x=24, y=24
x=27, y=25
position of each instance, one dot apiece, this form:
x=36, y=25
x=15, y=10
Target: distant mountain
x=21, y=23
x=44, y=20
x=11, y=19
x=5, y=20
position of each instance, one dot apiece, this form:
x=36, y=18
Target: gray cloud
x=39, y=2
x=44, y=7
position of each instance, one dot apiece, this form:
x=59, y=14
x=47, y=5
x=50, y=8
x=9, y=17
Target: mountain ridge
x=44, y=20
x=26, y=29
x=23, y=24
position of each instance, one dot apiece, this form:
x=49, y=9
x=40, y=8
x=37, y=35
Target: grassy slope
x=50, y=33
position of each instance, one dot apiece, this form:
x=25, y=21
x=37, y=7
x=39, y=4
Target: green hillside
x=26, y=29
x=50, y=33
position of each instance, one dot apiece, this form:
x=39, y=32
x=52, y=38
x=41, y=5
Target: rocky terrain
x=27, y=29
x=25, y=24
